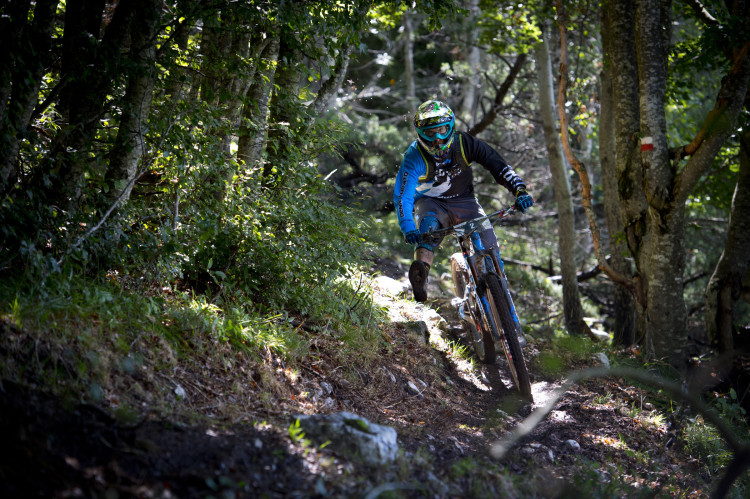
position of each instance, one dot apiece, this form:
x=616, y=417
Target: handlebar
x=468, y=226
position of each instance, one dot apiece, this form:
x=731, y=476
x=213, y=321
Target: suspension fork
x=476, y=243
x=481, y=253
x=497, y=265
x=500, y=269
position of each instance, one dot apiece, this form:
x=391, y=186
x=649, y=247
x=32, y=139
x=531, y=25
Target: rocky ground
x=447, y=411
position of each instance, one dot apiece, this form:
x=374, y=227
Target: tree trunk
x=624, y=308
x=253, y=138
x=620, y=38
x=213, y=48
x=282, y=108
x=667, y=314
x=490, y=115
x=129, y=144
x=725, y=286
x=224, y=44
x=22, y=67
x=89, y=68
x=646, y=175
x=411, y=93
x=329, y=88
x=572, y=309
x=470, y=86
x=175, y=83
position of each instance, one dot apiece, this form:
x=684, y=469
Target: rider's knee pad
x=428, y=223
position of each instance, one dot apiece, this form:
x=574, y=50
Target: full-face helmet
x=434, y=122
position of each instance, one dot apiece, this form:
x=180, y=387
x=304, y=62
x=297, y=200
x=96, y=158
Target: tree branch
x=490, y=116
x=115, y=203
x=719, y=109
x=702, y=13
x=718, y=126
x=333, y=83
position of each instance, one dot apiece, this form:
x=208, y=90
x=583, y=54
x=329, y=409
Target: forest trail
x=603, y=421
x=446, y=410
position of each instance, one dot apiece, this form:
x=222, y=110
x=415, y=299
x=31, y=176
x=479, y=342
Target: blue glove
x=412, y=237
x=523, y=200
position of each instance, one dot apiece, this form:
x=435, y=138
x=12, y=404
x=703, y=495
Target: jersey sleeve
x=404, y=193
x=479, y=151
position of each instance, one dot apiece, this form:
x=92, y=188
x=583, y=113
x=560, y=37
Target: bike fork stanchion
x=500, y=268
x=513, y=314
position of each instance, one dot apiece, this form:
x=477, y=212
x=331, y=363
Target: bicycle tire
x=481, y=341
x=509, y=341
x=459, y=274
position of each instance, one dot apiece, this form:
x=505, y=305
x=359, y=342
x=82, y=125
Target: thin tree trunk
x=725, y=285
x=411, y=93
x=253, y=138
x=90, y=77
x=470, y=86
x=30, y=51
x=129, y=144
x=572, y=309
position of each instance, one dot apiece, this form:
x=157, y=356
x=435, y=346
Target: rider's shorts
x=451, y=212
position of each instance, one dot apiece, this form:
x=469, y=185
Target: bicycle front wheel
x=479, y=331
x=509, y=339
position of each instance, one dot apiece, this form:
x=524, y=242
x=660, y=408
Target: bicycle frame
x=474, y=252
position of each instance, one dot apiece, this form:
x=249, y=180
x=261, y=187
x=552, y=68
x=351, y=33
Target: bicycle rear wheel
x=509, y=338
x=479, y=331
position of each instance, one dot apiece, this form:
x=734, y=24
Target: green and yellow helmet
x=435, y=120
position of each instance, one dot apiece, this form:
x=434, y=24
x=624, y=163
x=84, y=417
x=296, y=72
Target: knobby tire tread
x=458, y=272
x=481, y=341
x=496, y=293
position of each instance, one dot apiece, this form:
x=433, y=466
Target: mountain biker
x=435, y=186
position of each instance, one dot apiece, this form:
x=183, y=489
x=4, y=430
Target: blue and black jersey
x=422, y=175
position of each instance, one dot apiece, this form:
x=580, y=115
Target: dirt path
x=602, y=421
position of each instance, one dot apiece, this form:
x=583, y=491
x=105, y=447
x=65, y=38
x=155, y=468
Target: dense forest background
x=231, y=164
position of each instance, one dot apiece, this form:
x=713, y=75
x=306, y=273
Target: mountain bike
x=483, y=297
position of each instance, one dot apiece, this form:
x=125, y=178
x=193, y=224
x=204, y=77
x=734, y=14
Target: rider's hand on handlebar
x=412, y=237
x=523, y=200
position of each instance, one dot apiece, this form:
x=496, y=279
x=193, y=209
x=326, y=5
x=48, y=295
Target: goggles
x=442, y=131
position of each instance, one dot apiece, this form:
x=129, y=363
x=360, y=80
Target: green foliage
x=563, y=353
x=705, y=443
x=595, y=481
x=508, y=27
x=388, y=13
x=462, y=352
x=297, y=434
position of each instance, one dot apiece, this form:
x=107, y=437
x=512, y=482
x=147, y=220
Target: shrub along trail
x=219, y=425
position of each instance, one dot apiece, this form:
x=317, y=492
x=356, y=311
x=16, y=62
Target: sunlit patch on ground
x=560, y=416
x=614, y=443
x=543, y=392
